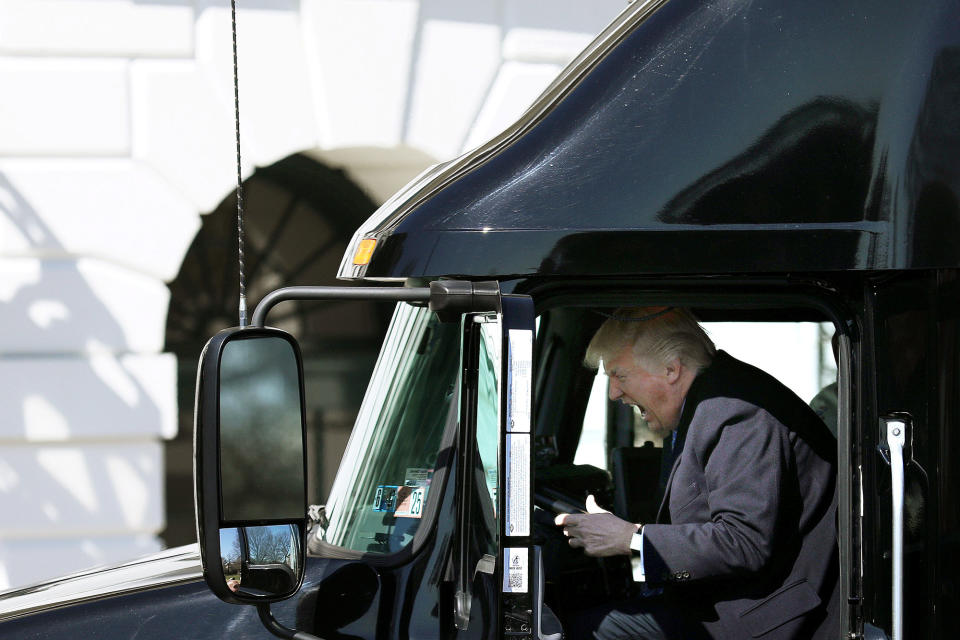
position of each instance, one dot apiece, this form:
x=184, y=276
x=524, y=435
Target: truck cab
x=768, y=163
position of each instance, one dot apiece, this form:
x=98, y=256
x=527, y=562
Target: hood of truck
x=725, y=136
x=180, y=564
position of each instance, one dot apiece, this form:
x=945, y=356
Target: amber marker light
x=364, y=251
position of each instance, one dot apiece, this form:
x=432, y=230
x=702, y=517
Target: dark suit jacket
x=745, y=540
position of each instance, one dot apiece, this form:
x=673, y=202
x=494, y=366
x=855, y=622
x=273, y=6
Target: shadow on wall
x=80, y=415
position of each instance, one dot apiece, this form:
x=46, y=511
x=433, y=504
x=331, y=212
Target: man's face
x=657, y=393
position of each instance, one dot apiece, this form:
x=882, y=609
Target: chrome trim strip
x=439, y=176
x=180, y=564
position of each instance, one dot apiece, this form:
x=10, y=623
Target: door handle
x=896, y=439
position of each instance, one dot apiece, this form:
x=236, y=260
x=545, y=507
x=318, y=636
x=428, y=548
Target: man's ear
x=673, y=370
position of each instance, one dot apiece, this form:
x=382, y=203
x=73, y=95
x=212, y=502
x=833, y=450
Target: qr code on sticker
x=516, y=580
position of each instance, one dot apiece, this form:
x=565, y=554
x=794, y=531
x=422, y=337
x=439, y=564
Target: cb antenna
x=236, y=113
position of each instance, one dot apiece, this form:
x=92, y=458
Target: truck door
x=498, y=415
x=427, y=531
x=902, y=548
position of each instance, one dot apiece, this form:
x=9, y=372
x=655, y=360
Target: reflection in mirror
x=261, y=561
x=261, y=431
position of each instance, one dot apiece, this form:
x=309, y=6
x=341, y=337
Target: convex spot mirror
x=250, y=471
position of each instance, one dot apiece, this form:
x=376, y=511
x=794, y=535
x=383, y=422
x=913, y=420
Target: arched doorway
x=299, y=216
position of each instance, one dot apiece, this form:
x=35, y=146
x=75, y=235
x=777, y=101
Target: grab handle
x=896, y=436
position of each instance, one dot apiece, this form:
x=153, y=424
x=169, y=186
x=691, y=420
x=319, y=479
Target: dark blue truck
x=763, y=161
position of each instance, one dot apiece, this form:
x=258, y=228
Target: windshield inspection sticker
x=518, y=484
x=402, y=502
x=410, y=502
x=386, y=498
x=515, y=570
x=418, y=477
x=519, y=385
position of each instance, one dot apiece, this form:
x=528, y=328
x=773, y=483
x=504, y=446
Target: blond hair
x=658, y=336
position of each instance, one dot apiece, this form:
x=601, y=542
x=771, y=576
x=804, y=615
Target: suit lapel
x=663, y=513
x=686, y=416
x=694, y=393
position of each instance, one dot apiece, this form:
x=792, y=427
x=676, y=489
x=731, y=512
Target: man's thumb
x=592, y=506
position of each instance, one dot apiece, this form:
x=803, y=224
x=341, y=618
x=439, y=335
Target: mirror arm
x=406, y=294
x=277, y=629
x=447, y=298
x=451, y=298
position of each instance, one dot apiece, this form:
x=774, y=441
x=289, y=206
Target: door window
x=488, y=406
x=377, y=502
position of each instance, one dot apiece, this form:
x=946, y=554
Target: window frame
x=757, y=295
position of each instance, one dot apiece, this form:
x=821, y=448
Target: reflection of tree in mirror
x=270, y=545
x=231, y=551
x=271, y=563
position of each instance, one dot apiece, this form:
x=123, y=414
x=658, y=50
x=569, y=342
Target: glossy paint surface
x=181, y=564
x=722, y=136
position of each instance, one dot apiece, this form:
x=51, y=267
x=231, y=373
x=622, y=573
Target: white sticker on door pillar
x=518, y=484
x=515, y=570
x=520, y=381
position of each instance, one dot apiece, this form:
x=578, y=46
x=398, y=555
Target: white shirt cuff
x=636, y=560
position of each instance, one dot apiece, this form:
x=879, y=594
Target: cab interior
x=585, y=444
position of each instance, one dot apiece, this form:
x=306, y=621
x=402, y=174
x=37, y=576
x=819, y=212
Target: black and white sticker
x=518, y=484
x=519, y=384
x=515, y=570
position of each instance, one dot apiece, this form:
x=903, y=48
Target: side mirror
x=250, y=475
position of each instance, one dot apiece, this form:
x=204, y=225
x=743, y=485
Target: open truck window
x=590, y=445
x=798, y=354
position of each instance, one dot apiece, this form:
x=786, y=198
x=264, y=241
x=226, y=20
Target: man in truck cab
x=745, y=541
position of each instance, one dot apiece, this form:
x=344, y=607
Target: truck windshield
x=377, y=499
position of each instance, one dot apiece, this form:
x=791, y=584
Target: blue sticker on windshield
x=386, y=498
x=402, y=502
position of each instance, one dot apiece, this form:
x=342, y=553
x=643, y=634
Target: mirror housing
x=250, y=465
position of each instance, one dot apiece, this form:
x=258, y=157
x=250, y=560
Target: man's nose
x=614, y=390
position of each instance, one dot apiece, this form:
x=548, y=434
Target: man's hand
x=598, y=532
